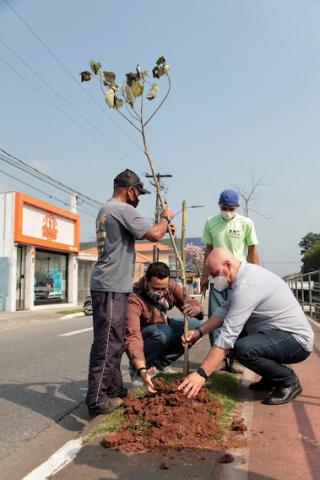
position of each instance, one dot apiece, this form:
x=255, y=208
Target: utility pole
x=157, y=209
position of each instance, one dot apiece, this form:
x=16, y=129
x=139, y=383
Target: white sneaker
x=168, y=369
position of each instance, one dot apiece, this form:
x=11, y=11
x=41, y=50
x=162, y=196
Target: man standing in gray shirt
x=264, y=324
x=118, y=225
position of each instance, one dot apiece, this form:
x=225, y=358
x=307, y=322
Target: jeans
x=265, y=353
x=162, y=342
x=109, y=315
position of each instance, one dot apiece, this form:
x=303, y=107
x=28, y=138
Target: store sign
x=42, y=224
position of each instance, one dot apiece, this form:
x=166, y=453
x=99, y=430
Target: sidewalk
x=283, y=441
x=10, y=320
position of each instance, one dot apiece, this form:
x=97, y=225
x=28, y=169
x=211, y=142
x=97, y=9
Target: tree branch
x=164, y=99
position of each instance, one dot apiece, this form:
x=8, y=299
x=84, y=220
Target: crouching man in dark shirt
x=152, y=338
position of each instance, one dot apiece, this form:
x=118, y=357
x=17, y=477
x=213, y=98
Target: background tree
x=250, y=195
x=195, y=258
x=311, y=258
x=308, y=241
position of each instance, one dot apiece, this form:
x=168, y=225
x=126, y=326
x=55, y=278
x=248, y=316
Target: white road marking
x=75, y=332
x=60, y=459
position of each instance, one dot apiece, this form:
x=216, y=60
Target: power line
x=64, y=67
x=62, y=98
x=70, y=74
x=61, y=110
x=52, y=197
x=16, y=162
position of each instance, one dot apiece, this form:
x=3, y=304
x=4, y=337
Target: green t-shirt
x=236, y=234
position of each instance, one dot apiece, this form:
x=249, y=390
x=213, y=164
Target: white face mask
x=220, y=283
x=227, y=215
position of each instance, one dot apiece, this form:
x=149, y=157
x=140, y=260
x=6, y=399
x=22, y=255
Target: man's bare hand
x=172, y=228
x=191, y=385
x=191, y=338
x=147, y=380
x=192, y=310
x=166, y=212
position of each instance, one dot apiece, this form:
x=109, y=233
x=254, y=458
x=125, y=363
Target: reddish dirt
x=169, y=419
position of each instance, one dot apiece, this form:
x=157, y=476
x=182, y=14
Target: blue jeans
x=265, y=353
x=162, y=342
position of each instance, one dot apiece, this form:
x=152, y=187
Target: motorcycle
x=87, y=305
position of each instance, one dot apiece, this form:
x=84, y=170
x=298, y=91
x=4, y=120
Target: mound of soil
x=169, y=419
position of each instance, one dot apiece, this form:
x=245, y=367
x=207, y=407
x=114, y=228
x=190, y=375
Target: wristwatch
x=199, y=330
x=140, y=370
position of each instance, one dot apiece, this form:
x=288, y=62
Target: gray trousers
x=109, y=315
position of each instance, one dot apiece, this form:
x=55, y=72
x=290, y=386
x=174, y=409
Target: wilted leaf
x=85, y=76
x=144, y=73
x=152, y=93
x=109, y=97
x=118, y=102
x=155, y=72
x=130, y=95
x=95, y=66
x=131, y=77
x=137, y=88
x=109, y=78
x=160, y=61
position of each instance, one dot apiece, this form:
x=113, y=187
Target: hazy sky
x=245, y=98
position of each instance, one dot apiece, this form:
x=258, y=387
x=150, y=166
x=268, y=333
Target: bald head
x=221, y=259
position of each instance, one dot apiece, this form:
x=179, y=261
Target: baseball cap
x=128, y=178
x=229, y=197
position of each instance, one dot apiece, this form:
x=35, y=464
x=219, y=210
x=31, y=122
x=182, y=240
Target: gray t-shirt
x=260, y=300
x=118, y=225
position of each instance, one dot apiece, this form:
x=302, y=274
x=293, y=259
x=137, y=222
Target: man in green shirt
x=237, y=234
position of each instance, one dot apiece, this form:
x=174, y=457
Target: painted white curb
x=60, y=459
x=73, y=315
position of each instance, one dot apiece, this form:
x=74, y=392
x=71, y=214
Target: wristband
x=140, y=370
x=202, y=373
x=166, y=217
x=200, y=331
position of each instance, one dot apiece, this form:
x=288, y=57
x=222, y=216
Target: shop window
x=50, y=283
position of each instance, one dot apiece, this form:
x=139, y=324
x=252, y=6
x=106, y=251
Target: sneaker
x=168, y=369
x=282, y=395
x=106, y=407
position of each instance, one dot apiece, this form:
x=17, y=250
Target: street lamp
x=191, y=206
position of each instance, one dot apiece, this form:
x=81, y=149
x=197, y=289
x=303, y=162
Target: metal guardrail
x=306, y=288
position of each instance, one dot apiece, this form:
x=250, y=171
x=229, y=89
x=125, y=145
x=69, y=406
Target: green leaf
x=137, y=88
x=118, y=102
x=109, y=78
x=152, y=93
x=95, y=66
x=144, y=74
x=160, y=61
x=85, y=76
x=109, y=97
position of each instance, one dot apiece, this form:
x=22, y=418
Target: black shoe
x=107, y=407
x=283, y=394
x=122, y=393
x=262, y=385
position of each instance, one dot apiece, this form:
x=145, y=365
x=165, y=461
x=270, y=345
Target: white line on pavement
x=75, y=332
x=57, y=461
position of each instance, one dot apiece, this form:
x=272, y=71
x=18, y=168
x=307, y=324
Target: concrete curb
x=73, y=315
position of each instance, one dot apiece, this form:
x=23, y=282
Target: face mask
x=134, y=203
x=220, y=283
x=159, y=297
x=227, y=215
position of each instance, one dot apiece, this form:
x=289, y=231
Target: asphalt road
x=43, y=379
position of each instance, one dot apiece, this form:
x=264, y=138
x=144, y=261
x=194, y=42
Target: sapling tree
x=129, y=100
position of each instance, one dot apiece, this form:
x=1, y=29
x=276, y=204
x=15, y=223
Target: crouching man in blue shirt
x=261, y=321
